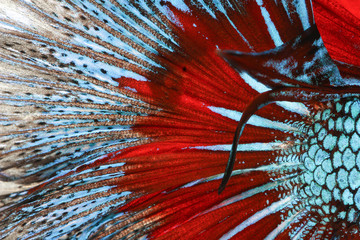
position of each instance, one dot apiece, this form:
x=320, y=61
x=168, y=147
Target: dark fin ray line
x=290, y=94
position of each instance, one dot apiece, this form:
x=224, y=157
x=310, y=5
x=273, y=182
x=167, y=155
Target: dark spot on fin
x=301, y=62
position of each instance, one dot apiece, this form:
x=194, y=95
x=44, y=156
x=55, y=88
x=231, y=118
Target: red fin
x=339, y=26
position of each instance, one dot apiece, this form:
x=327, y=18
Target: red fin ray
x=218, y=217
x=199, y=72
x=338, y=24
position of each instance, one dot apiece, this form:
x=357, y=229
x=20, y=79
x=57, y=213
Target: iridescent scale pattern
x=330, y=180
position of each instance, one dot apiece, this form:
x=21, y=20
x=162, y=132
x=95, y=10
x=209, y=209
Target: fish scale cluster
x=332, y=163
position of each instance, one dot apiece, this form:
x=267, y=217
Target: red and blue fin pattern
x=117, y=119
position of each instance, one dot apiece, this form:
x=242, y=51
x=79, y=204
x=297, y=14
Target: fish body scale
x=330, y=179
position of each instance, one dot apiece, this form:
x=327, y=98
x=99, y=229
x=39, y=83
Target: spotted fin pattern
x=117, y=119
